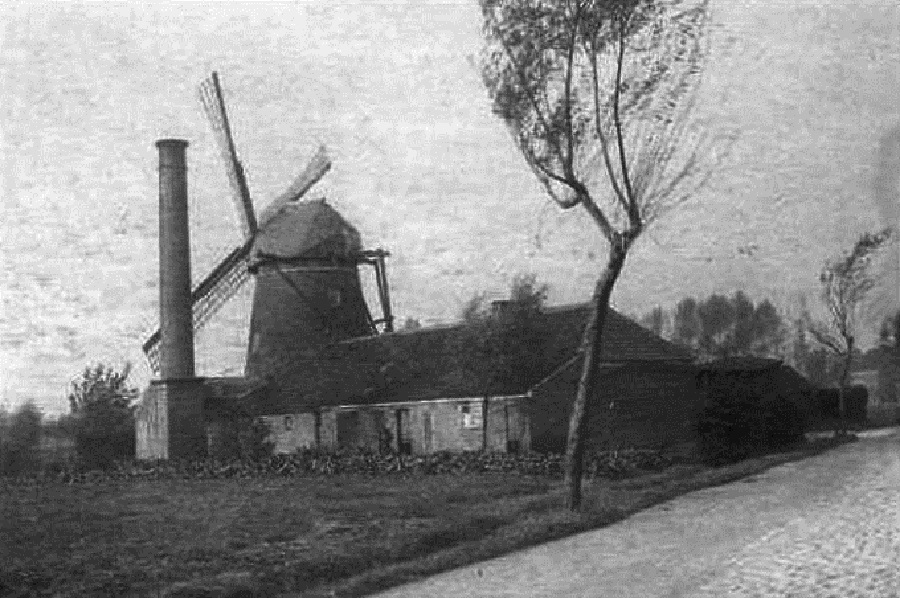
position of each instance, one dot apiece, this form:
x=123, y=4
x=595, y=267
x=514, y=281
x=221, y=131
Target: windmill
x=305, y=258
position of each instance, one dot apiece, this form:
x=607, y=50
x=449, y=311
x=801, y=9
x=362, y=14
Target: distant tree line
x=98, y=430
x=721, y=326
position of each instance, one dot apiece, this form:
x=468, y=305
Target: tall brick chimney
x=175, y=423
x=176, y=332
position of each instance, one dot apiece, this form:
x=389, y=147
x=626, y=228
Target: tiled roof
x=741, y=363
x=623, y=339
x=419, y=365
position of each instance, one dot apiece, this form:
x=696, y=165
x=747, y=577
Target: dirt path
x=825, y=526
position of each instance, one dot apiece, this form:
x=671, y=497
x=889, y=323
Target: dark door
x=428, y=422
x=347, y=429
x=512, y=429
x=404, y=441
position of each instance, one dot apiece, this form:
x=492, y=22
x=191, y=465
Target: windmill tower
x=305, y=258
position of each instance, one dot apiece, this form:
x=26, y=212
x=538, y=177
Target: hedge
x=745, y=419
x=309, y=463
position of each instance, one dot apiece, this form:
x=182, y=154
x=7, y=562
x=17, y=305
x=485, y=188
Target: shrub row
x=732, y=428
x=310, y=463
x=856, y=398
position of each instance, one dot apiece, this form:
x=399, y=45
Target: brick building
x=402, y=391
x=880, y=375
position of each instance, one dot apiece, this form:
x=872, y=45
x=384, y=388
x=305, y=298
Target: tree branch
x=567, y=94
x=598, y=216
x=826, y=339
x=633, y=215
x=523, y=81
x=598, y=123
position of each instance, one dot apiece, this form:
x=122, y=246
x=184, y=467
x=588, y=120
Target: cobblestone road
x=828, y=526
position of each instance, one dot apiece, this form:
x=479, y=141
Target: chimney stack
x=176, y=328
x=173, y=424
x=501, y=307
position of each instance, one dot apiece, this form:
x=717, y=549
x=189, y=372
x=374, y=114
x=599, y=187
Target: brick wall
x=456, y=425
x=187, y=429
x=171, y=422
x=889, y=384
x=151, y=428
x=883, y=406
x=292, y=432
x=328, y=430
x=428, y=426
x=637, y=405
x=650, y=407
x=506, y=423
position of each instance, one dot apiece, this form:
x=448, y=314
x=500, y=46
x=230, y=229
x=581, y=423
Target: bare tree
x=845, y=284
x=686, y=324
x=598, y=97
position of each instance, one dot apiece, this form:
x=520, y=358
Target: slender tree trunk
x=842, y=389
x=484, y=425
x=840, y=427
x=590, y=347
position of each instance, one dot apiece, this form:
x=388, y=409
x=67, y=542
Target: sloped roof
x=306, y=229
x=623, y=339
x=420, y=365
x=740, y=364
x=877, y=358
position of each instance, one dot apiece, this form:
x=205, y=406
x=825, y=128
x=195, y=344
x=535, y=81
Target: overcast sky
x=421, y=166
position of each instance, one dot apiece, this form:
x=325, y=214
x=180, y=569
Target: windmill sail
x=228, y=277
x=209, y=296
x=214, y=105
x=317, y=167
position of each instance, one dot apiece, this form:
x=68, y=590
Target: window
x=288, y=423
x=334, y=297
x=471, y=415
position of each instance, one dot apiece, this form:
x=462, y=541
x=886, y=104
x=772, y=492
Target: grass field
x=298, y=536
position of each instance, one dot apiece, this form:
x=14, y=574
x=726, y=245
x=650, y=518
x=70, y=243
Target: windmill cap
x=307, y=229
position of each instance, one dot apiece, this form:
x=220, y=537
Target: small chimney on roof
x=501, y=307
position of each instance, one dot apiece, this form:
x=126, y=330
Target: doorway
x=428, y=423
x=404, y=439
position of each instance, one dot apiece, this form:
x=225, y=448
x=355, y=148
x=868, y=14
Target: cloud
x=887, y=177
x=887, y=198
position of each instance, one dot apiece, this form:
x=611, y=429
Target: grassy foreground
x=315, y=536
